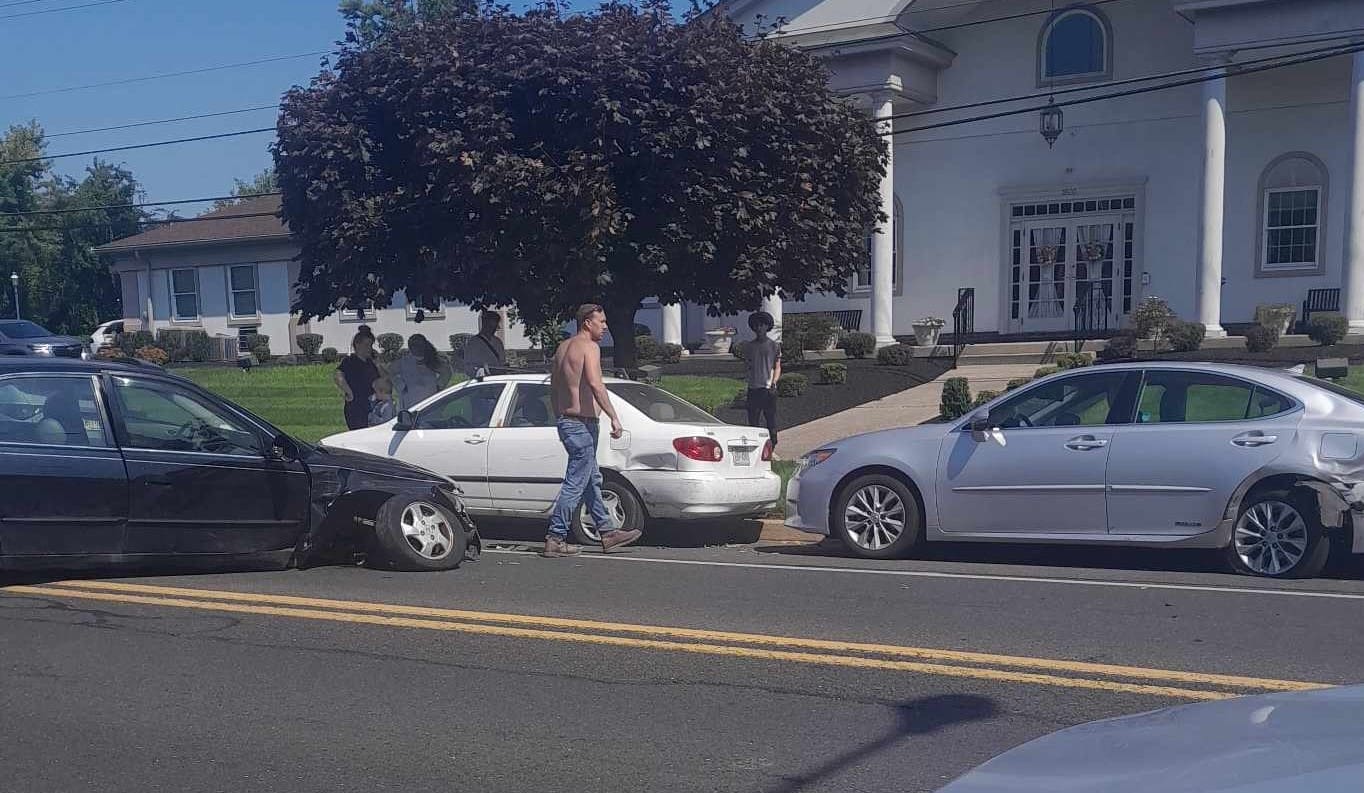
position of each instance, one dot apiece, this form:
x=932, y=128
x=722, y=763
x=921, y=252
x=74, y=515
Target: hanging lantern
x=1053, y=123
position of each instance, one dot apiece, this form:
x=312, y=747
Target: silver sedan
x=1266, y=465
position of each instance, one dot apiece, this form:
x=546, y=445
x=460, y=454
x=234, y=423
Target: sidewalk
x=903, y=409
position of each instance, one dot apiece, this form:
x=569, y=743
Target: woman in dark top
x=355, y=378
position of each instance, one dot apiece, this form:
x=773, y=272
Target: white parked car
x=496, y=438
x=105, y=335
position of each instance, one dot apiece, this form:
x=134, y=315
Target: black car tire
x=398, y=519
x=909, y=537
x=1318, y=550
x=612, y=488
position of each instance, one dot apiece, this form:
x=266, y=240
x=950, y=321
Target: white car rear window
x=659, y=405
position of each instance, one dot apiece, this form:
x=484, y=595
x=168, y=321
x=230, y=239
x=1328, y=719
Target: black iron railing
x=963, y=321
x=1093, y=306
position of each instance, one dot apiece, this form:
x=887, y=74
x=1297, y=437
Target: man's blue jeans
x=582, y=480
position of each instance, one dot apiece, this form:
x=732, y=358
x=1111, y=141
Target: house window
x=1075, y=47
x=242, y=282
x=184, y=287
x=427, y=313
x=365, y=314
x=1292, y=209
x=862, y=278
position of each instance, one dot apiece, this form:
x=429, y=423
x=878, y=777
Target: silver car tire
x=877, y=517
x=416, y=534
x=1278, y=535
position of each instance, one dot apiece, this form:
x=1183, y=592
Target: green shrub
x=153, y=354
x=1327, y=329
x=390, y=345
x=1017, y=382
x=130, y=343
x=260, y=347
x=1072, y=360
x=792, y=385
x=956, y=398
x=737, y=350
x=1261, y=339
x=309, y=343
x=792, y=347
x=858, y=345
x=895, y=355
x=458, y=341
x=1275, y=316
x=330, y=355
x=647, y=350
x=643, y=330
x=1121, y=347
x=671, y=353
x=1185, y=336
x=184, y=345
x=1045, y=371
x=984, y=397
x=1151, y=318
x=833, y=373
x=812, y=332
x=110, y=353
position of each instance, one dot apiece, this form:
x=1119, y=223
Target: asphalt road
x=776, y=668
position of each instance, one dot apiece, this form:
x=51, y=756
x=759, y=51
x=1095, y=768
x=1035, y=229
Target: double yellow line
x=823, y=652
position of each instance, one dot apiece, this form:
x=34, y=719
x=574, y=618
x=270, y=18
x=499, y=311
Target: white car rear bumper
x=691, y=495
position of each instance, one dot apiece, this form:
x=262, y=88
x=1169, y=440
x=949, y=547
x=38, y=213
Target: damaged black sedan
x=108, y=463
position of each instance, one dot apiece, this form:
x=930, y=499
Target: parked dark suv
x=104, y=462
x=21, y=337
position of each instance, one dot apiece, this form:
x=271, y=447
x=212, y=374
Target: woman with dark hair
x=420, y=372
x=355, y=379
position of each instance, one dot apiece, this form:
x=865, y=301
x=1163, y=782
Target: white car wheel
x=620, y=502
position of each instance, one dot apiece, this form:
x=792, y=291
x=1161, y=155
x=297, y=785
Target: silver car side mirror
x=980, y=427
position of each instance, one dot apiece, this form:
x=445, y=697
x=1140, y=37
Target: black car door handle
x=158, y=482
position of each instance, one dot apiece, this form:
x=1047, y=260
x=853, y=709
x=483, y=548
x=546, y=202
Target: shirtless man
x=578, y=397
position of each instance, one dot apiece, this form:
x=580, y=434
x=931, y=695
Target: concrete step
x=1035, y=359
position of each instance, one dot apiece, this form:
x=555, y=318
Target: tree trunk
x=620, y=317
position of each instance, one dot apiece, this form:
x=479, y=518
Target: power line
x=158, y=222
x=134, y=124
x=1109, y=84
x=1226, y=72
x=59, y=10
x=139, y=146
x=23, y=3
x=1009, y=18
x=163, y=76
x=137, y=206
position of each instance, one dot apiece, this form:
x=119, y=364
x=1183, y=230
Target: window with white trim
x=862, y=277
x=184, y=289
x=427, y=313
x=1292, y=209
x=241, y=281
x=1075, y=47
x=354, y=315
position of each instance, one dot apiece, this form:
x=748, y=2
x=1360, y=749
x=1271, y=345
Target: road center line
x=923, y=653
x=754, y=653
x=963, y=576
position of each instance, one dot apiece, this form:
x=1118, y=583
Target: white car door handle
x=1085, y=443
x=474, y=440
x=1253, y=440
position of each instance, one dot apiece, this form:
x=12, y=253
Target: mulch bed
x=867, y=382
x=1279, y=356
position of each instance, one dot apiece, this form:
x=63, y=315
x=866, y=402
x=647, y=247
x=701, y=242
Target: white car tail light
x=699, y=448
x=767, y=452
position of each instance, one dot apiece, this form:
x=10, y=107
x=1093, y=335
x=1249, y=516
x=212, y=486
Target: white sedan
x=496, y=437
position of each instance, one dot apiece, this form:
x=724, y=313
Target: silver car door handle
x=475, y=440
x=1085, y=443
x=1254, y=440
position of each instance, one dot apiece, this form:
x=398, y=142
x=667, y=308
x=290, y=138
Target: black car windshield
x=659, y=405
x=23, y=329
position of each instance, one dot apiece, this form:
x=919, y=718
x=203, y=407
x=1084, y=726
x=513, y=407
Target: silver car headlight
x=814, y=458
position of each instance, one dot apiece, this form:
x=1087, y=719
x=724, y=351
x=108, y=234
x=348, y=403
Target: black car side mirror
x=284, y=449
x=407, y=420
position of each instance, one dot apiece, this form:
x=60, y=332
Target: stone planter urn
x=719, y=340
x=927, y=330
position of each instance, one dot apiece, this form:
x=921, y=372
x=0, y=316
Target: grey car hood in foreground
x=1311, y=741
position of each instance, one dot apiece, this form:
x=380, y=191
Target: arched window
x=1076, y=46
x=1292, y=215
x=862, y=278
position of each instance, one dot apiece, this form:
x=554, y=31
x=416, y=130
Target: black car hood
x=326, y=456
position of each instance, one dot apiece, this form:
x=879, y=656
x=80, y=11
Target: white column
x=772, y=305
x=1352, y=277
x=672, y=324
x=1214, y=188
x=883, y=242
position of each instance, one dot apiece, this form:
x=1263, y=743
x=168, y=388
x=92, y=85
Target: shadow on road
x=914, y=717
x=1343, y=566
x=658, y=533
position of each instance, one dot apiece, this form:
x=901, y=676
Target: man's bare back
x=570, y=381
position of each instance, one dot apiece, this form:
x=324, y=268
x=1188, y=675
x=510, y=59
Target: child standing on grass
x=763, y=355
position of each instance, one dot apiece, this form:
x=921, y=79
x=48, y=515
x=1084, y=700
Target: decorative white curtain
x=1094, y=247
x=1048, y=250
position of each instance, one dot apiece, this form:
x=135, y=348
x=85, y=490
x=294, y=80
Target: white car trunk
x=742, y=447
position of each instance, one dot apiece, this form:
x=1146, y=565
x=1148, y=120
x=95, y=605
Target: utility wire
x=128, y=80
x=59, y=10
x=1009, y=18
x=134, y=124
x=136, y=206
x=150, y=222
x=23, y=3
x=238, y=133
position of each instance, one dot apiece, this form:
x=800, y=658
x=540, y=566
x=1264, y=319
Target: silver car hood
x=1274, y=743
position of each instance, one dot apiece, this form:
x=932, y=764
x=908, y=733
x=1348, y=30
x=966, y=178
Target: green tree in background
x=263, y=182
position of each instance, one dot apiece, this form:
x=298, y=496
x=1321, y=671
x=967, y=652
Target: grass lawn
x=302, y=401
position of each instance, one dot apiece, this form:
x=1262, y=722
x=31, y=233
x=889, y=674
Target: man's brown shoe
x=618, y=538
x=556, y=548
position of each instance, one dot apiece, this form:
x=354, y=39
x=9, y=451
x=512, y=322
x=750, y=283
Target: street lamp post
x=14, y=279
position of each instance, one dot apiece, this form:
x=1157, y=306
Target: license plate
x=743, y=456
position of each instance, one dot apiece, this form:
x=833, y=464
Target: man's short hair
x=761, y=320
x=585, y=312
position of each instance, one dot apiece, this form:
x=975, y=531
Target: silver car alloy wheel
x=614, y=506
x=1271, y=538
x=427, y=530
x=874, y=517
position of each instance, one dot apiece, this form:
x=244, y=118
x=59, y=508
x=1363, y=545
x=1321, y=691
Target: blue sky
x=134, y=38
